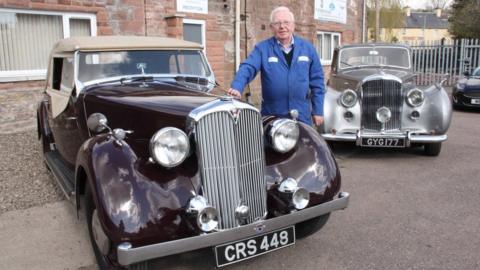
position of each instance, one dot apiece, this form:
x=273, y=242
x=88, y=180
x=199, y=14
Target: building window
x=194, y=30
x=326, y=43
x=27, y=37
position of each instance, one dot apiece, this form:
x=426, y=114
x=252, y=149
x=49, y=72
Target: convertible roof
x=113, y=43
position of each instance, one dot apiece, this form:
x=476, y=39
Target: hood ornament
x=235, y=113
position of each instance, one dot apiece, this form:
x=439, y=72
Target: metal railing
x=433, y=59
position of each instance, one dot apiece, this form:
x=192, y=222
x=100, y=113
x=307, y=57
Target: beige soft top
x=112, y=43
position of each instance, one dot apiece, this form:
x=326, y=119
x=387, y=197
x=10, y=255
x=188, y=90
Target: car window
x=66, y=83
x=57, y=73
x=102, y=65
x=62, y=74
x=476, y=72
x=374, y=56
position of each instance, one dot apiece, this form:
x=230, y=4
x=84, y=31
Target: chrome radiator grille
x=232, y=163
x=381, y=93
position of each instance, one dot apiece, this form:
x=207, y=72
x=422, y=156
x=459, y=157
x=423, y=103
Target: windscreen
x=374, y=56
x=103, y=65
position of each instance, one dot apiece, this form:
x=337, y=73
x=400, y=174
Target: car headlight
x=298, y=196
x=415, y=97
x=284, y=135
x=169, y=146
x=348, y=98
x=460, y=86
x=206, y=215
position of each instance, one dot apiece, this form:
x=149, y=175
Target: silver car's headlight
x=169, y=146
x=284, y=135
x=415, y=97
x=348, y=98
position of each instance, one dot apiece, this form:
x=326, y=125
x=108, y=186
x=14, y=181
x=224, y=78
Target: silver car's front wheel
x=432, y=149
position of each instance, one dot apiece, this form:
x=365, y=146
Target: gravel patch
x=24, y=180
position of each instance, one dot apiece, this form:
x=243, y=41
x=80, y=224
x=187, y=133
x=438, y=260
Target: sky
x=418, y=3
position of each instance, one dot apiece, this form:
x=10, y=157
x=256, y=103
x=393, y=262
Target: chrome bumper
x=128, y=255
x=409, y=137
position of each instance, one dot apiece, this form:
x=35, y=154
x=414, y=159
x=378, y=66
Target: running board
x=64, y=176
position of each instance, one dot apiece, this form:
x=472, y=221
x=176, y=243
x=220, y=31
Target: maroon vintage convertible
x=166, y=166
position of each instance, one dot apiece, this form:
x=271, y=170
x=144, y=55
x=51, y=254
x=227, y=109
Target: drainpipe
x=364, y=27
x=237, y=35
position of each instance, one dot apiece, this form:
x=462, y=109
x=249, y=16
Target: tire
x=432, y=149
x=102, y=260
x=311, y=226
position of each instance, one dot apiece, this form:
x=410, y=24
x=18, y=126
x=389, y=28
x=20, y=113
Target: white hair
x=278, y=9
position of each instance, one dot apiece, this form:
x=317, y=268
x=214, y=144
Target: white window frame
x=328, y=62
x=40, y=74
x=202, y=24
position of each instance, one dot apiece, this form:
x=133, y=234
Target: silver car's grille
x=232, y=163
x=381, y=93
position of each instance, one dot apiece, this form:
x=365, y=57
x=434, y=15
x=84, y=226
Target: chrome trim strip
x=340, y=137
x=128, y=255
x=219, y=105
x=428, y=138
x=413, y=138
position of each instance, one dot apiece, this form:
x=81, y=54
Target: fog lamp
x=415, y=115
x=206, y=215
x=348, y=115
x=383, y=115
x=299, y=197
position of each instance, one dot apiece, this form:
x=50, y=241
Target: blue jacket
x=299, y=87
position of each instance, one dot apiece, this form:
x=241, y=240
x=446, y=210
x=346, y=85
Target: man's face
x=282, y=26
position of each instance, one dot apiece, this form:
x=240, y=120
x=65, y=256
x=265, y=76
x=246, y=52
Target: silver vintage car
x=372, y=100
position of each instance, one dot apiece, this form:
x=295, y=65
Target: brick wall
x=160, y=18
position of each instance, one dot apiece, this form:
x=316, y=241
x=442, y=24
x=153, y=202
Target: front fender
x=133, y=203
x=311, y=163
x=435, y=113
x=334, y=112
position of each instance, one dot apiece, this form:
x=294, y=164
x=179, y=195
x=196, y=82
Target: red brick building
x=36, y=24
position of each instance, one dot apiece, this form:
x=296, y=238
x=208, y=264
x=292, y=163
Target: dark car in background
x=167, y=164
x=372, y=100
x=466, y=92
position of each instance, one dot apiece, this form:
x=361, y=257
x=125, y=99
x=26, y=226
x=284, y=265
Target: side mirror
x=445, y=77
x=466, y=73
x=97, y=122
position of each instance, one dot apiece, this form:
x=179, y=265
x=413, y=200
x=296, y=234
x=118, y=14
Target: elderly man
x=291, y=74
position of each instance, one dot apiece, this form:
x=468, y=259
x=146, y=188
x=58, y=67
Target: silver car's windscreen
x=101, y=65
x=374, y=56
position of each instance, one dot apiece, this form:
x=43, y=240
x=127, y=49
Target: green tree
x=391, y=16
x=465, y=19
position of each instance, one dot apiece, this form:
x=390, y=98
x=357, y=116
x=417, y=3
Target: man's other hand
x=234, y=93
x=317, y=120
